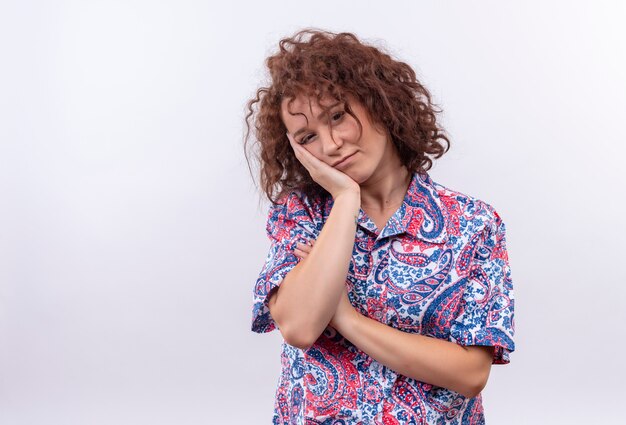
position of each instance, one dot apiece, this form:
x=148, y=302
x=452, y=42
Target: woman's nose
x=331, y=141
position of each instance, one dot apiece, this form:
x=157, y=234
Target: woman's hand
x=302, y=249
x=345, y=311
x=334, y=181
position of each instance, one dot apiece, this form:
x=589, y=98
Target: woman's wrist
x=351, y=201
x=345, y=323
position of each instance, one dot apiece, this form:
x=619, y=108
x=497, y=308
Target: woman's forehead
x=305, y=104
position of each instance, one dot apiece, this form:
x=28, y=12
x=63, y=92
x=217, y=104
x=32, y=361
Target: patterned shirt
x=439, y=267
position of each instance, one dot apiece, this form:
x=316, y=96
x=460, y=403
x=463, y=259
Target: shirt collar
x=421, y=214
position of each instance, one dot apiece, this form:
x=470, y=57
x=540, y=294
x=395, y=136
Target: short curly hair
x=320, y=63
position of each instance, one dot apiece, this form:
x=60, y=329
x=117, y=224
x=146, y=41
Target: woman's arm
x=426, y=359
x=435, y=361
x=305, y=301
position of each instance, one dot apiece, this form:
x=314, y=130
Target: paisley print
x=439, y=267
x=412, y=279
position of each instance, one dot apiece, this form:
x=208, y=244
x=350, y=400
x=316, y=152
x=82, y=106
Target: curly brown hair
x=319, y=63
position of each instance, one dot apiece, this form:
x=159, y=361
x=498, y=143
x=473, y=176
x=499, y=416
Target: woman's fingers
x=302, y=250
x=305, y=157
x=332, y=180
x=314, y=165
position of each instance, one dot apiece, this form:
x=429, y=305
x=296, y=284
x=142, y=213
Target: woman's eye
x=305, y=139
x=338, y=115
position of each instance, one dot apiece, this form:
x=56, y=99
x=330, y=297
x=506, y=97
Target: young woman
x=392, y=292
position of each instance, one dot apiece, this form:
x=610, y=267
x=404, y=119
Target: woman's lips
x=344, y=161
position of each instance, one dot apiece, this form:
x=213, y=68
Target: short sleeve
x=288, y=222
x=486, y=316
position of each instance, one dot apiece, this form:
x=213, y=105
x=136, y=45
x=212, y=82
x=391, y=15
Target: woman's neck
x=388, y=192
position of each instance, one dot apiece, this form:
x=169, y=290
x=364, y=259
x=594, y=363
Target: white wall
x=130, y=236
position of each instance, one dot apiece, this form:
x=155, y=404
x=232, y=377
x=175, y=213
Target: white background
x=131, y=234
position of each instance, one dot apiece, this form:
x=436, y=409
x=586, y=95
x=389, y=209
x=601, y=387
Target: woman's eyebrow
x=319, y=117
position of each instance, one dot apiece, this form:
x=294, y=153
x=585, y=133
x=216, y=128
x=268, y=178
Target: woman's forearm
x=424, y=358
x=307, y=298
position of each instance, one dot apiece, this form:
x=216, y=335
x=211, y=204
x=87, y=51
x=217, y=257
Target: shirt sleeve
x=486, y=315
x=288, y=222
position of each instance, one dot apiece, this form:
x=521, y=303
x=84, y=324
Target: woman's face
x=368, y=154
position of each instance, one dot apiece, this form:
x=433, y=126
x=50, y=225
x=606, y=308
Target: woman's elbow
x=301, y=343
x=474, y=389
x=297, y=337
x=295, y=331
x=476, y=385
x=476, y=378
